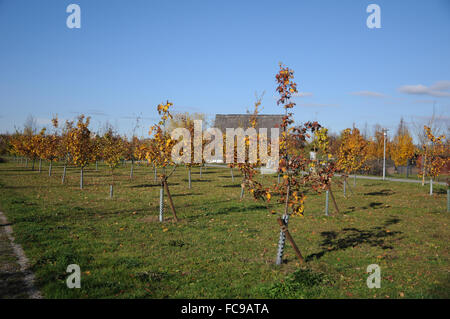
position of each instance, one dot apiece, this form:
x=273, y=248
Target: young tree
x=64, y=149
x=130, y=149
x=160, y=154
x=80, y=145
x=402, y=148
x=436, y=154
x=292, y=189
x=50, y=147
x=113, y=149
x=352, y=154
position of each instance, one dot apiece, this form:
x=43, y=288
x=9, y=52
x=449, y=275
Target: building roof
x=224, y=121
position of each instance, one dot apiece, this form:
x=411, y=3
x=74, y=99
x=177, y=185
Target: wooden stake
x=291, y=240
x=334, y=200
x=166, y=187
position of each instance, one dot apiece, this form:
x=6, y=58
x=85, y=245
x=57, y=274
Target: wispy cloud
x=368, y=93
x=438, y=89
x=90, y=112
x=316, y=105
x=294, y=95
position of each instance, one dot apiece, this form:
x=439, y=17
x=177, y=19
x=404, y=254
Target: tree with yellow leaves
x=130, y=150
x=434, y=156
x=352, y=153
x=80, y=146
x=50, y=146
x=113, y=149
x=63, y=149
x=402, y=149
x=160, y=154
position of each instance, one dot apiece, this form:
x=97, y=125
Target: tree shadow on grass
x=188, y=194
x=12, y=286
x=352, y=237
x=440, y=190
x=373, y=205
x=196, y=180
x=383, y=192
x=151, y=185
x=232, y=186
x=228, y=210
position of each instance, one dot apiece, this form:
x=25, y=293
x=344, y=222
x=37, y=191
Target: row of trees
x=75, y=144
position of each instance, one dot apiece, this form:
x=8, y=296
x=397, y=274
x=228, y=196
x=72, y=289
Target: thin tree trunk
x=232, y=176
x=40, y=165
x=50, y=169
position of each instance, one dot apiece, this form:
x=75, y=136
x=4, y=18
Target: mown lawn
x=223, y=247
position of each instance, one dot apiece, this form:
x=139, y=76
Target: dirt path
x=16, y=280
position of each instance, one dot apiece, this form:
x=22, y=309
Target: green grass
x=223, y=247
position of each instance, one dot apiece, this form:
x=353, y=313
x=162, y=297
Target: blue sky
x=212, y=56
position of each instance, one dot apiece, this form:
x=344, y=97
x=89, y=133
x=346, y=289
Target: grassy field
x=223, y=247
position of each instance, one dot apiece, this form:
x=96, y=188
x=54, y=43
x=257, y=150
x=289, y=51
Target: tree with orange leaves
x=291, y=191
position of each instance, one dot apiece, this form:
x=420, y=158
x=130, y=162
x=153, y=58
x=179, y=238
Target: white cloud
x=368, y=93
x=437, y=89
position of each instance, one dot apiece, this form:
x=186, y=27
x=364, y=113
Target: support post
x=64, y=174
x=81, y=178
x=232, y=176
x=448, y=200
x=285, y=230
x=281, y=241
x=161, y=203
x=189, y=177
x=111, y=191
x=172, y=206
x=326, y=202
x=131, y=170
x=50, y=169
x=431, y=186
x=333, y=199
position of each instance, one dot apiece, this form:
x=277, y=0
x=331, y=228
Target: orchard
x=102, y=206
